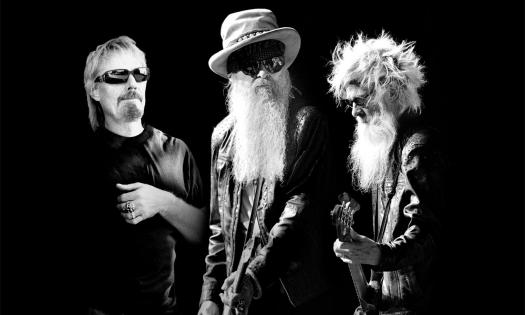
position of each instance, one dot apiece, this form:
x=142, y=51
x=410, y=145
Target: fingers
x=337, y=244
x=342, y=251
x=127, y=206
x=353, y=234
x=228, y=282
x=341, y=247
x=346, y=260
x=208, y=308
x=127, y=197
x=129, y=187
x=344, y=255
x=226, y=298
x=227, y=295
x=130, y=212
x=131, y=218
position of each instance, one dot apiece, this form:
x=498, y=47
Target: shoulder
x=414, y=140
x=420, y=144
x=309, y=120
x=222, y=131
x=308, y=114
x=167, y=142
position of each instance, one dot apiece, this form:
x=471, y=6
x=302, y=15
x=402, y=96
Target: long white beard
x=260, y=128
x=369, y=155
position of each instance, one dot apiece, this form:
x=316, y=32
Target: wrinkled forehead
x=121, y=59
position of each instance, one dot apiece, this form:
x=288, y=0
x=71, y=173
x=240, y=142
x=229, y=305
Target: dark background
x=474, y=66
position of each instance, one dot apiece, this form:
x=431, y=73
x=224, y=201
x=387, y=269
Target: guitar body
x=343, y=219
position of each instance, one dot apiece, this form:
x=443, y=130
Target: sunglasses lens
x=120, y=76
x=361, y=101
x=250, y=69
x=273, y=65
x=116, y=76
x=141, y=74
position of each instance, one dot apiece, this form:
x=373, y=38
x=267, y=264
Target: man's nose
x=355, y=110
x=262, y=73
x=132, y=84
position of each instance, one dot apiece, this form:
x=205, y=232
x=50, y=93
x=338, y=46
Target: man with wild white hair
x=146, y=197
x=269, y=177
x=397, y=159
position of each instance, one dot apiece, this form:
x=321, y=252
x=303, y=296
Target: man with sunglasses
x=147, y=193
x=398, y=159
x=269, y=176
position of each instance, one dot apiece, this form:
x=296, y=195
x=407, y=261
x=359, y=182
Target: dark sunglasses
x=361, y=102
x=270, y=65
x=119, y=76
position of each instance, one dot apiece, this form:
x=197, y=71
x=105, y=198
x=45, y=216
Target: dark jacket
x=404, y=276
x=293, y=214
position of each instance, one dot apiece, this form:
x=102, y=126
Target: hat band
x=247, y=36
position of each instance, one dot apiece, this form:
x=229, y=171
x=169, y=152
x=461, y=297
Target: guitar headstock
x=343, y=216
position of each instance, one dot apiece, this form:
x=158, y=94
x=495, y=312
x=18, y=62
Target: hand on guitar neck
x=239, y=288
x=359, y=250
x=350, y=246
x=354, y=249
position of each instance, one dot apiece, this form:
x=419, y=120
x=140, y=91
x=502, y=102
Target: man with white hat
x=270, y=155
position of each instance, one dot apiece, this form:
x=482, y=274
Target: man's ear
x=94, y=93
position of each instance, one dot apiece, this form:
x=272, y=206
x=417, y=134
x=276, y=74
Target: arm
x=422, y=198
x=216, y=259
x=187, y=219
x=149, y=200
x=176, y=196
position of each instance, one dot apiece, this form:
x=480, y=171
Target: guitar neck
x=359, y=280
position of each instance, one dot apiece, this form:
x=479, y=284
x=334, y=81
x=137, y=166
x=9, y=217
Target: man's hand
x=361, y=250
x=240, y=301
x=141, y=201
x=208, y=308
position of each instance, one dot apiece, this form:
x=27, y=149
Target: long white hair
x=392, y=71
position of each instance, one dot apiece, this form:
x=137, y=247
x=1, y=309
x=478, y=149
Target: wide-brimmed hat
x=250, y=26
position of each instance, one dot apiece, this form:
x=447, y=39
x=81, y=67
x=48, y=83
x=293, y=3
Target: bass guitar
x=343, y=219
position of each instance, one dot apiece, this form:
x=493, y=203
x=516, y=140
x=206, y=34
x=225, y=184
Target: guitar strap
x=253, y=214
x=391, y=194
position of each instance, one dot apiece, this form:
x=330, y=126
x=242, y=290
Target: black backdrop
x=474, y=64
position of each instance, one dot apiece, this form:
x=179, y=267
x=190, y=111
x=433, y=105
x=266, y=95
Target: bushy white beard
x=260, y=128
x=369, y=155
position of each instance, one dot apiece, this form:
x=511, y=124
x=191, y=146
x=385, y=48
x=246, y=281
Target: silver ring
x=130, y=206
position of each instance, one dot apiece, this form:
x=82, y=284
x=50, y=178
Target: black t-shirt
x=132, y=266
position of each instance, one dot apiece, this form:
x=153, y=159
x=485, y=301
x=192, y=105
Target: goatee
x=131, y=112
